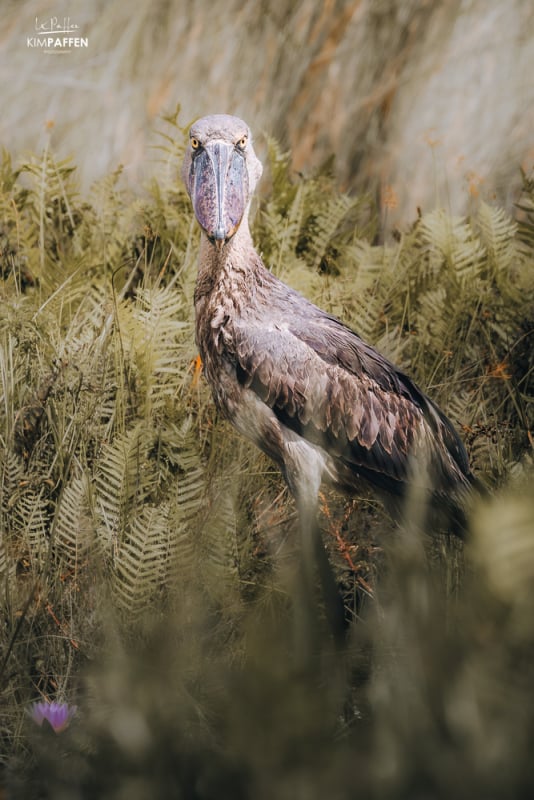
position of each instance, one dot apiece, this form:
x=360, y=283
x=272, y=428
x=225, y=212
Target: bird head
x=220, y=172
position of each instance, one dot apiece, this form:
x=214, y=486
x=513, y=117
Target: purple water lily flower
x=58, y=715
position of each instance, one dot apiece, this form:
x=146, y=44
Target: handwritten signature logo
x=56, y=35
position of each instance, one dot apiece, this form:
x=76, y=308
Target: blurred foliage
x=147, y=558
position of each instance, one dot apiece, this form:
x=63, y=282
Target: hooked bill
x=220, y=182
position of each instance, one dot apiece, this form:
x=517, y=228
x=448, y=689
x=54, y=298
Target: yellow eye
x=195, y=144
x=242, y=143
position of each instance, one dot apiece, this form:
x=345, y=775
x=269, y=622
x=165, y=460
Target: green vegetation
x=147, y=559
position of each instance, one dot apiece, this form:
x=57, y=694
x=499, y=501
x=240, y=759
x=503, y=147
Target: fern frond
x=73, y=531
x=32, y=518
x=451, y=241
x=52, y=199
x=191, y=482
x=431, y=308
x=525, y=215
x=125, y=478
x=323, y=224
x=219, y=551
x=141, y=561
x=282, y=230
x=11, y=474
x=284, y=189
x=497, y=232
x=183, y=560
x=7, y=566
x=159, y=355
x=362, y=263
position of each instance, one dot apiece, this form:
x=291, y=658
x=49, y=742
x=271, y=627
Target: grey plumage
x=302, y=385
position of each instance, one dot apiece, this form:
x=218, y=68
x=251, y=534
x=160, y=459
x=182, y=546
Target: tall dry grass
x=421, y=103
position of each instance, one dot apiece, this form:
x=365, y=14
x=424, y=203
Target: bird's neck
x=231, y=269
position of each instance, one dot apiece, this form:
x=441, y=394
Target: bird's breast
x=214, y=337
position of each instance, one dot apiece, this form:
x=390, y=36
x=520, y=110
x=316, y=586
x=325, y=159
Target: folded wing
x=324, y=383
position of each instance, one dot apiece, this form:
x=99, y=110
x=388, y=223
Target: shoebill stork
x=297, y=381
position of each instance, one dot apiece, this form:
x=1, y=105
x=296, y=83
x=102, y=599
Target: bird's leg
x=304, y=474
x=306, y=607
x=315, y=561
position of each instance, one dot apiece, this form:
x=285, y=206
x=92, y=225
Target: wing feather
x=326, y=384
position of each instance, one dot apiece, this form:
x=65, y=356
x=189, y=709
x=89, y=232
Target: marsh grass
x=147, y=551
